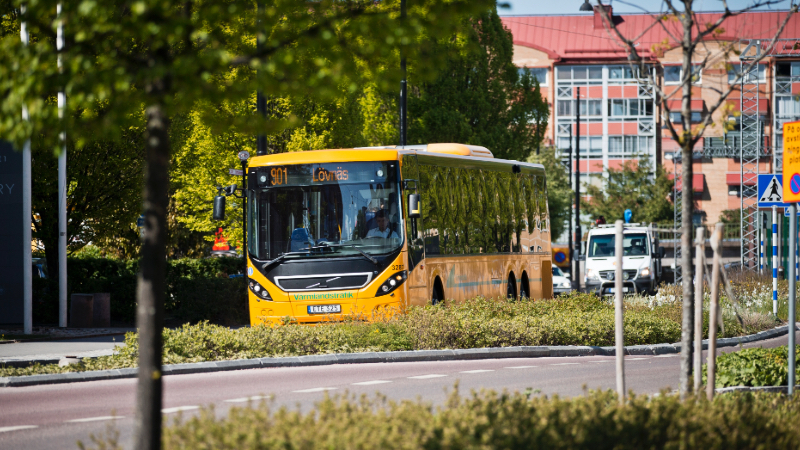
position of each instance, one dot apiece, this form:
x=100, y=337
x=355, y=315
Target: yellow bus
x=334, y=233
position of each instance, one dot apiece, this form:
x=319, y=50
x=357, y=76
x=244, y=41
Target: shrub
x=754, y=367
x=488, y=420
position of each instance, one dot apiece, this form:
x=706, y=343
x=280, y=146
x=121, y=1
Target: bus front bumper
x=310, y=312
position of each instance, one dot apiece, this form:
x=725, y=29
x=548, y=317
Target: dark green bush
x=754, y=367
x=118, y=277
x=488, y=420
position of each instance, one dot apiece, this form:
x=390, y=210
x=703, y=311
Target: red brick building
x=620, y=115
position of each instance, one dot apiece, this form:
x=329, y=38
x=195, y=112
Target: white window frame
x=542, y=83
x=680, y=74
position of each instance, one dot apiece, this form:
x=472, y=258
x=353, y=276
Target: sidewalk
x=87, y=342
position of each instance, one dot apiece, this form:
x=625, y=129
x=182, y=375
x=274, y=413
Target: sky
x=523, y=7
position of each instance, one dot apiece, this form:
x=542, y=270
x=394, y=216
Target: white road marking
x=178, y=408
x=520, y=367
x=95, y=419
x=634, y=359
x=18, y=427
x=603, y=361
x=665, y=356
x=477, y=371
x=566, y=364
x=369, y=383
x=248, y=399
x=320, y=389
x=425, y=377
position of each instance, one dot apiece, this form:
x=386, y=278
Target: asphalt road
x=57, y=416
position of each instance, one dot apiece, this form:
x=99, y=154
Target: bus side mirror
x=219, y=208
x=413, y=206
x=661, y=252
x=580, y=257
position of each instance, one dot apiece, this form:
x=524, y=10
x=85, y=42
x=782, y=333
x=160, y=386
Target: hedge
x=489, y=420
x=197, y=289
x=754, y=367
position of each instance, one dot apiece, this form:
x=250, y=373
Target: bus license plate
x=324, y=309
x=614, y=290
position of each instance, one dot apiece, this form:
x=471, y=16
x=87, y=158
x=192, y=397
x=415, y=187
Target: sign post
x=791, y=194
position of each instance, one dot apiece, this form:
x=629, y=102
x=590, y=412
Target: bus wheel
x=525, y=289
x=511, y=287
x=437, y=294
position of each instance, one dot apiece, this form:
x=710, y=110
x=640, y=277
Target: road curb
x=380, y=357
x=770, y=389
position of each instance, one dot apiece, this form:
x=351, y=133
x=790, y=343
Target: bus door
x=415, y=254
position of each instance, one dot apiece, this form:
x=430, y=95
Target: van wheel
x=525, y=289
x=511, y=287
x=437, y=294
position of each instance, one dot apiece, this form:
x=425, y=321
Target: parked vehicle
x=641, y=260
x=561, y=282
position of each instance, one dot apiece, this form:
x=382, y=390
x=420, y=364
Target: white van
x=641, y=260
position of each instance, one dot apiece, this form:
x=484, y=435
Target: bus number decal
x=279, y=175
x=398, y=267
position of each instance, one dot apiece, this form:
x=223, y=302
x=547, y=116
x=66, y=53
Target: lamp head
x=586, y=6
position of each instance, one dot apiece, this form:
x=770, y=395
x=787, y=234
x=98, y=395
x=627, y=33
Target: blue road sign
x=770, y=190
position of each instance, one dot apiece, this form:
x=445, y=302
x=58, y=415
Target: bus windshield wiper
x=366, y=255
x=280, y=257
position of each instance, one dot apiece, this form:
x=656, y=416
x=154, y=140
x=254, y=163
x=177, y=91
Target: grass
x=577, y=319
x=754, y=367
x=490, y=420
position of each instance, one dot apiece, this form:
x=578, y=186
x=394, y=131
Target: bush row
x=489, y=420
x=577, y=319
x=754, y=367
x=197, y=289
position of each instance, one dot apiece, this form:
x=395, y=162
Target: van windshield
x=602, y=246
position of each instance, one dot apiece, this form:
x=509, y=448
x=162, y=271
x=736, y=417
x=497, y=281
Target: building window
x=734, y=190
x=589, y=108
x=541, y=74
x=674, y=74
x=629, y=145
x=579, y=72
x=630, y=107
x=750, y=77
x=623, y=73
x=789, y=69
x=676, y=118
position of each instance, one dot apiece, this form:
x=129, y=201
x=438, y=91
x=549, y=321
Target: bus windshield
x=602, y=246
x=325, y=210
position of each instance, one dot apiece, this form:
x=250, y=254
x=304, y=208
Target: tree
x=559, y=191
x=634, y=187
x=686, y=32
x=148, y=62
x=479, y=98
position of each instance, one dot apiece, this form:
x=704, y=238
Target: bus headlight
x=392, y=283
x=644, y=273
x=593, y=275
x=258, y=290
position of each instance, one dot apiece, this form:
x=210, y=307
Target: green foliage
x=197, y=289
x=632, y=187
x=490, y=420
x=753, y=367
x=559, y=192
x=478, y=98
x=731, y=216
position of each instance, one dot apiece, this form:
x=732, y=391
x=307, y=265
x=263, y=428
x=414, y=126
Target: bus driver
x=381, y=231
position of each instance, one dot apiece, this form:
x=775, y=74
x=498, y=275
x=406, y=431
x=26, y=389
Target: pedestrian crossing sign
x=791, y=161
x=770, y=190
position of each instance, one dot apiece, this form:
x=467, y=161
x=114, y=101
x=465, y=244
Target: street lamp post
x=572, y=272
x=577, y=185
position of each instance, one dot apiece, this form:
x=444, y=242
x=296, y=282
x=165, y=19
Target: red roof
x=575, y=37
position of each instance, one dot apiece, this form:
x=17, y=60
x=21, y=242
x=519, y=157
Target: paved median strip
x=178, y=408
x=18, y=427
x=425, y=377
x=370, y=383
x=94, y=419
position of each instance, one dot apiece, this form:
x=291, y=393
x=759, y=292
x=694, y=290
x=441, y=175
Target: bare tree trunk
x=151, y=285
x=687, y=323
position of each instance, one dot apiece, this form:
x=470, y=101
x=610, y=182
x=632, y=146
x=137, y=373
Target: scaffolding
x=750, y=151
